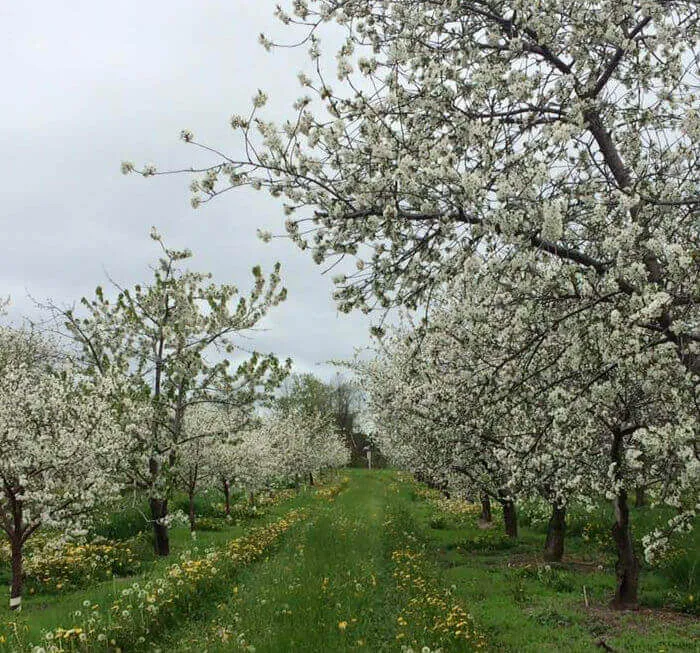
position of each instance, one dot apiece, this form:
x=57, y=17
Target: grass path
x=331, y=587
x=326, y=589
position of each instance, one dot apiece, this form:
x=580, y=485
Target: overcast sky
x=88, y=84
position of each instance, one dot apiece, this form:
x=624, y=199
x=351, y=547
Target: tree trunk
x=486, y=515
x=227, y=498
x=193, y=519
x=627, y=566
x=510, y=518
x=17, y=572
x=640, y=498
x=311, y=478
x=556, y=529
x=161, y=540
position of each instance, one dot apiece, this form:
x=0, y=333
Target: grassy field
x=52, y=605
x=383, y=565
x=522, y=603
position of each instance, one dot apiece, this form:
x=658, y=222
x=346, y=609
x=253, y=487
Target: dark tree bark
x=17, y=574
x=17, y=532
x=510, y=519
x=640, y=497
x=161, y=539
x=510, y=516
x=192, y=516
x=486, y=515
x=556, y=530
x=227, y=498
x=311, y=478
x=627, y=565
x=159, y=510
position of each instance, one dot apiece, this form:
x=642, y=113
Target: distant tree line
x=340, y=400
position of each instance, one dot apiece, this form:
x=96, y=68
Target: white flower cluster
x=287, y=447
x=60, y=441
x=531, y=173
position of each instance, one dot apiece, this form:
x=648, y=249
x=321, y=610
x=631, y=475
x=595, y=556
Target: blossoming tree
x=171, y=343
x=509, y=132
x=204, y=452
x=492, y=390
x=288, y=446
x=60, y=440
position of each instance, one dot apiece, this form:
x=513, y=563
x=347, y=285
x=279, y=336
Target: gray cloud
x=89, y=84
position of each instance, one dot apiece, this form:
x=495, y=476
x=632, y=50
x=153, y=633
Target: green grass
x=381, y=566
x=331, y=587
x=522, y=604
x=44, y=612
x=324, y=589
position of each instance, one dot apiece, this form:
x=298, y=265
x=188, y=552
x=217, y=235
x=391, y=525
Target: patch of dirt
x=569, y=564
x=638, y=620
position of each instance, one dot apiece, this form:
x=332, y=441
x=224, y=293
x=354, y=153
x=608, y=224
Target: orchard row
x=141, y=394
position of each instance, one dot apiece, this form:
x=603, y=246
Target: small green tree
x=338, y=400
x=305, y=393
x=170, y=343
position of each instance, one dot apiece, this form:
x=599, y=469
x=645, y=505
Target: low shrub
x=210, y=524
x=245, y=511
x=438, y=522
x=56, y=568
x=488, y=542
x=680, y=567
x=534, y=513
x=550, y=576
x=206, y=504
x=122, y=521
